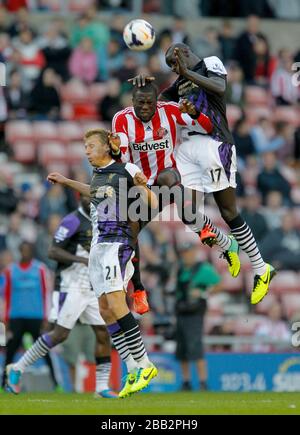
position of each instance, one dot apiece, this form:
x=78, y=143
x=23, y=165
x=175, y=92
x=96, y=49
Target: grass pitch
x=194, y=403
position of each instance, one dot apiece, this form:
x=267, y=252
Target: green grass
x=156, y=404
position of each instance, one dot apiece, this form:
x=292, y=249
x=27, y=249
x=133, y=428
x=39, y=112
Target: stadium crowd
x=63, y=80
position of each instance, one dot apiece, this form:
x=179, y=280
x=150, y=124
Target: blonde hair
x=100, y=132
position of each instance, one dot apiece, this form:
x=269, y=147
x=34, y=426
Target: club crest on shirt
x=161, y=133
x=105, y=192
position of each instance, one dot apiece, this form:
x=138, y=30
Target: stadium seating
x=291, y=304
x=290, y=114
x=233, y=114
x=18, y=130
x=44, y=130
x=24, y=151
x=286, y=282
x=70, y=131
x=75, y=92
x=254, y=113
x=256, y=95
x=51, y=152
x=264, y=306
x=75, y=153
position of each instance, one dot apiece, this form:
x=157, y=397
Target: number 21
x=108, y=277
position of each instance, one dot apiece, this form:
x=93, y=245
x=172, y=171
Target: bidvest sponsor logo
x=145, y=147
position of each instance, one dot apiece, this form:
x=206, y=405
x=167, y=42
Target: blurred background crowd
x=66, y=71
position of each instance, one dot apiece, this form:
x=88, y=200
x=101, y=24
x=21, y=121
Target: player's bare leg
x=126, y=336
x=188, y=209
x=264, y=272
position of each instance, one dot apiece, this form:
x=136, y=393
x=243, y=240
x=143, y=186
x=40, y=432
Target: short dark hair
x=149, y=87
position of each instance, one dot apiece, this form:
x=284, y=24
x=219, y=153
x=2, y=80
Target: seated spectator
x=254, y=218
x=281, y=247
x=6, y=49
x=282, y=87
x=3, y=20
x=8, y=198
x=283, y=140
x=128, y=69
x=270, y=178
x=83, y=62
x=274, y=210
x=56, y=50
x=111, y=103
x=21, y=22
x=227, y=41
x=244, y=51
x=154, y=69
x=44, y=98
x=235, y=92
x=116, y=28
x=16, y=97
x=265, y=63
x=163, y=44
x=32, y=59
x=243, y=139
x=274, y=327
x=262, y=134
x=53, y=202
x=115, y=57
x=177, y=31
x=87, y=27
x=208, y=45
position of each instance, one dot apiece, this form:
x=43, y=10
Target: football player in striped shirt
x=147, y=134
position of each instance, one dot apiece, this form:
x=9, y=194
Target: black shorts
x=189, y=337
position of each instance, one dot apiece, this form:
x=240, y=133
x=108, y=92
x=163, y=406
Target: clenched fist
x=140, y=179
x=55, y=177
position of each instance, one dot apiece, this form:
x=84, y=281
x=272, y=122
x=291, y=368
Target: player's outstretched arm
x=63, y=256
x=148, y=196
x=82, y=188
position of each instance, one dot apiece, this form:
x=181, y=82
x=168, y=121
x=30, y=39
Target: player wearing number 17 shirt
x=203, y=83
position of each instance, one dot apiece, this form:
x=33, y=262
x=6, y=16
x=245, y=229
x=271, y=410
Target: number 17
x=215, y=175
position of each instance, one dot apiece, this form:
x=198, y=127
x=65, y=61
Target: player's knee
x=168, y=177
x=228, y=213
x=107, y=315
x=59, y=336
x=102, y=335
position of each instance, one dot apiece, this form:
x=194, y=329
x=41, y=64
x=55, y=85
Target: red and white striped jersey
x=150, y=145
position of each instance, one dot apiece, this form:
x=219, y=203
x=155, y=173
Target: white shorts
x=205, y=164
x=67, y=308
x=110, y=267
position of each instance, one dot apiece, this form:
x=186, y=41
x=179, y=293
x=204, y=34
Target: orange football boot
x=140, y=302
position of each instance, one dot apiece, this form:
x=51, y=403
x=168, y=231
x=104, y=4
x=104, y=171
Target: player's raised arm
x=82, y=188
x=148, y=196
x=216, y=84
